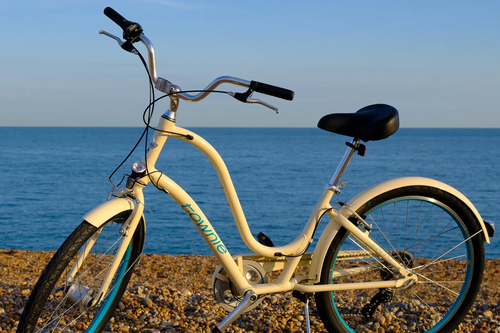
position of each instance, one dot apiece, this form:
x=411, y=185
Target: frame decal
x=210, y=235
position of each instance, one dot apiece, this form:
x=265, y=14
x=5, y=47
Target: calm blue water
x=53, y=176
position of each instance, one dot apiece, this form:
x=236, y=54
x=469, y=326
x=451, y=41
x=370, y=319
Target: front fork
x=127, y=231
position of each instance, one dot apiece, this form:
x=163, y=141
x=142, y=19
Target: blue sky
x=437, y=62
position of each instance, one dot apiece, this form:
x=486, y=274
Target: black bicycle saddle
x=373, y=122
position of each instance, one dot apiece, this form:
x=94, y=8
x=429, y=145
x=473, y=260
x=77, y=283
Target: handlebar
x=131, y=30
x=132, y=33
x=268, y=89
x=117, y=18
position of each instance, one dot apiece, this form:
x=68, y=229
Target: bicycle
x=411, y=244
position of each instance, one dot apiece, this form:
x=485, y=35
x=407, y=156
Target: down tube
x=204, y=227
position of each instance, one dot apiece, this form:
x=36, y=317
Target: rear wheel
x=434, y=235
x=59, y=303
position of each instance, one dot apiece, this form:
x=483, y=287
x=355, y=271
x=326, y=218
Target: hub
x=79, y=296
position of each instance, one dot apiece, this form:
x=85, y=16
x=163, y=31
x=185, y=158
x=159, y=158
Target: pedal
x=300, y=296
x=264, y=240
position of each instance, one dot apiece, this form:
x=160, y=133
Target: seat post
x=343, y=163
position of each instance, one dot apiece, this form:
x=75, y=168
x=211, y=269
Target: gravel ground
x=172, y=294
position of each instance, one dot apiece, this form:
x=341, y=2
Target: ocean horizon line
x=257, y=127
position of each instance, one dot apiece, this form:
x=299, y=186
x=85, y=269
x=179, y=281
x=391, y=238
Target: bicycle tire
x=447, y=256
x=52, y=306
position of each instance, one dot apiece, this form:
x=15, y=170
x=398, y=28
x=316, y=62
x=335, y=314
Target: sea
x=51, y=177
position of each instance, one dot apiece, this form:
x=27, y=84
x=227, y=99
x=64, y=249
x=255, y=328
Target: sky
x=437, y=62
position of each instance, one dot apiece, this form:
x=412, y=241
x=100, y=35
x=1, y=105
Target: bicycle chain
x=312, y=312
x=358, y=254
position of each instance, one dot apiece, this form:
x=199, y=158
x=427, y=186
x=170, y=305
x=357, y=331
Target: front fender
x=360, y=199
x=107, y=210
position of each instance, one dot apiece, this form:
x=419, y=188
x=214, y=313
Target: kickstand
x=306, y=310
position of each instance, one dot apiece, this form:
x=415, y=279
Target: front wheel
x=434, y=235
x=61, y=300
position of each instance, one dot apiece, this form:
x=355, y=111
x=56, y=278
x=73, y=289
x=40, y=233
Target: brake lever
x=258, y=101
x=122, y=44
x=118, y=39
x=245, y=98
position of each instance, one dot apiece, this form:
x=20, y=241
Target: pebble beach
x=172, y=294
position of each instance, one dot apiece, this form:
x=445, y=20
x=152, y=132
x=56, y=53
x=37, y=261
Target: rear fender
x=360, y=199
x=363, y=197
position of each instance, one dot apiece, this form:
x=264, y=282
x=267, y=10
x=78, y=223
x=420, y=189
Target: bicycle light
x=138, y=171
x=139, y=168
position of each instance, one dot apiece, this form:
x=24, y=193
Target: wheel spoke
x=433, y=238
x=465, y=240
x=440, y=261
x=436, y=283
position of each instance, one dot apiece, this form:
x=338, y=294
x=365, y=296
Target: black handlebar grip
x=117, y=18
x=268, y=89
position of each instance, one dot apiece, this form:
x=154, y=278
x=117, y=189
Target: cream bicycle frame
x=293, y=251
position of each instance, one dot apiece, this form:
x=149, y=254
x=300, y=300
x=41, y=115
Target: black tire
x=52, y=305
x=439, y=239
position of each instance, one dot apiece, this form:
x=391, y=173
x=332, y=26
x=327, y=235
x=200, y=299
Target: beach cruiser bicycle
x=411, y=246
